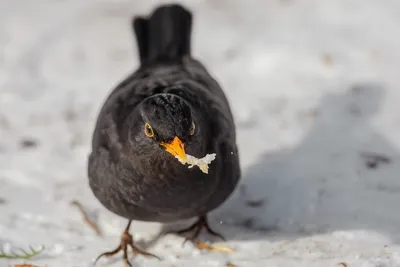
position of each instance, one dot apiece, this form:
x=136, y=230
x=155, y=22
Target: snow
x=313, y=84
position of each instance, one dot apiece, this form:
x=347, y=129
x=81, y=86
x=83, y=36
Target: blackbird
x=169, y=107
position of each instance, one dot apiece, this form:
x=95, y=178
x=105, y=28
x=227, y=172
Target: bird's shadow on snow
x=326, y=183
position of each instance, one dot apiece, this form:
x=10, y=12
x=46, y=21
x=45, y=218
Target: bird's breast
x=167, y=186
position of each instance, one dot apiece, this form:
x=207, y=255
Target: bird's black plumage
x=130, y=173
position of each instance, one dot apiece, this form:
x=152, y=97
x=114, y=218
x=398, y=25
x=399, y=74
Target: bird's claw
x=126, y=241
x=196, y=228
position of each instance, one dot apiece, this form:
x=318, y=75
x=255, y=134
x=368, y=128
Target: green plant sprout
x=25, y=255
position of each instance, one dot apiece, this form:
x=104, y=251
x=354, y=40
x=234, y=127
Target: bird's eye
x=148, y=130
x=192, y=129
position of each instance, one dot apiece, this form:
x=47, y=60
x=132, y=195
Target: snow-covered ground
x=313, y=84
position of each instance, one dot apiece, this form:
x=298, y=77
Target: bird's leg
x=196, y=228
x=126, y=241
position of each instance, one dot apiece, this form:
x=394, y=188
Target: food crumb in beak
x=202, y=163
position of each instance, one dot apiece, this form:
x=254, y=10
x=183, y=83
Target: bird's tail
x=165, y=35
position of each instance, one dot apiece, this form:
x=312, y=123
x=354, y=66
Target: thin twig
x=218, y=248
x=86, y=218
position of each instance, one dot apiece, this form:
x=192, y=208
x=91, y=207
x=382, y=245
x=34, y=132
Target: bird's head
x=166, y=122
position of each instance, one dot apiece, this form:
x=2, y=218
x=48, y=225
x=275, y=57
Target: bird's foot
x=196, y=228
x=126, y=241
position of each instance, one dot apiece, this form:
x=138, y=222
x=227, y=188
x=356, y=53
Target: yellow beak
x=176, y=148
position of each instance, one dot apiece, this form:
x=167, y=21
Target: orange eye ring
x=192, y=129
x=148, y=130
